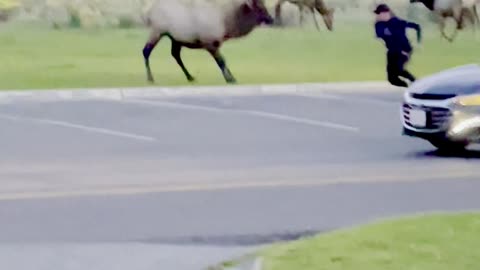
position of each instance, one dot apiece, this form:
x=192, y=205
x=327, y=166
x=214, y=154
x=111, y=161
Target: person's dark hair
x=381, y=8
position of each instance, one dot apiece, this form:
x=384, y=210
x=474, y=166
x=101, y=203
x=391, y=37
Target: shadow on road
x=467, y=154
x=234, y=240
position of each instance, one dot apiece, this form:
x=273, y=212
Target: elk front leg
x=300, y=9
x=441, y=26
x=315, y=18
x=176, y=50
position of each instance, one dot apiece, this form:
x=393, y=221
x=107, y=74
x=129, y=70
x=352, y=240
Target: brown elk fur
x=202, y=24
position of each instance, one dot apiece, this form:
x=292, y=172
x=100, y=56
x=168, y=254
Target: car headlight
x=465, y=125
x=470, y=100
x=466, y=110
x=470, y=103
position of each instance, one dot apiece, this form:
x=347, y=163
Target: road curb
x=248, y=263
x=9, y=96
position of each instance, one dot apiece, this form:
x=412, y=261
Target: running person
x=392, y=30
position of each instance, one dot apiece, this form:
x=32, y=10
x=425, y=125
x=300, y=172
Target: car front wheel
x=450, y=146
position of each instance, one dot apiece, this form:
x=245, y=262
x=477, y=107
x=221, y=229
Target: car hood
x=462, y=80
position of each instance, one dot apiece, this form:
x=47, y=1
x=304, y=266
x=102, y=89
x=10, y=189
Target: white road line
x=275, y=116
x=302, y=120
x=352, y=99
x=175, y=105
x=77, y=126
x=318, y=95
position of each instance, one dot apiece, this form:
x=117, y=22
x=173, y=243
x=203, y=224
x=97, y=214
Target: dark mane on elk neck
x=243, y=22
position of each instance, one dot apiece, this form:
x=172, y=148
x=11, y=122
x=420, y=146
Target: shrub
x=75, y=20
x=7, y=7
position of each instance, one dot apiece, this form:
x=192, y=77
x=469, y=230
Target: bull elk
x=459, y=10
x=201, y=24
x=312, y=5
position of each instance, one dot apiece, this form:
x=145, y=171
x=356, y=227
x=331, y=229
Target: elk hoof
x=231, y=80
x=191, y=78
x=150, y=78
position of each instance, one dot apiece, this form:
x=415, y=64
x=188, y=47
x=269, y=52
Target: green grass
x=431, y=242
x=38, y=57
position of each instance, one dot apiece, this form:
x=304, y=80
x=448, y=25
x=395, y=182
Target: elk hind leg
x=470, y=15
x=476, y=19
x=219, y=59
x=278, y=12
x=475, y=14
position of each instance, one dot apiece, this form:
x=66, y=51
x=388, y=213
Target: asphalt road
x=145, y=183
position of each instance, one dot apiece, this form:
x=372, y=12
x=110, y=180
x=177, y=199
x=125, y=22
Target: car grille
x=432, y=96
x=437, y=117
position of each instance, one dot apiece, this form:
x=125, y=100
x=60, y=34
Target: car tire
x=447, y=145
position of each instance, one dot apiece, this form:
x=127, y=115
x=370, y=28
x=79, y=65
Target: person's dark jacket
x=394, y=33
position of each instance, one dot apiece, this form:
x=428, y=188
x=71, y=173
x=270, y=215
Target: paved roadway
x=181, y=183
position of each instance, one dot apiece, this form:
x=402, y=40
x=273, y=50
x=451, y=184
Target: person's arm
x=378, y=30
x=417, y=28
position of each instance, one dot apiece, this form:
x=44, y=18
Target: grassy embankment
x=432, y=242
x=38, y=57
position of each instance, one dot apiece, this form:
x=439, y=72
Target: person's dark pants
x=396, y=68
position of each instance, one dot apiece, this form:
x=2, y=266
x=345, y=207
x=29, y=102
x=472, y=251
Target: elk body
x=312, y=6
x=459, y=10
x=201, y=24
